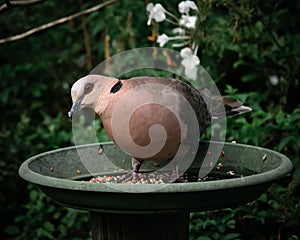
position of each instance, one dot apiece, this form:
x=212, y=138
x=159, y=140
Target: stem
x=180, y=44
x=179, y=38
x=172, y=22
x=172, y=15
x=107, y=54
x=196, y=49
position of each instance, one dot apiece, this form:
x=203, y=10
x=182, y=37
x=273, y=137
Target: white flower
x=274, y=80
x=190, y=62
x=187, y=54
x=191, y=72
x=188, y=21
x=156, y=12
x=179, y=30
x=162, y=39
x=185, y=6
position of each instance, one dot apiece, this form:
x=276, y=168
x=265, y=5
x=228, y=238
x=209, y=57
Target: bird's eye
x=88, y=88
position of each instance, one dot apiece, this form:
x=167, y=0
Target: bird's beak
x=75, y=107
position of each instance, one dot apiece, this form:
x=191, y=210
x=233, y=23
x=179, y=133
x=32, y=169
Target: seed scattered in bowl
x=264, y=158
x=100, y=151
x=220, y=165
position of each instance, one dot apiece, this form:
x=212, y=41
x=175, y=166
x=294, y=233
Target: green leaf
x=203, y=238
x=230, y=91
x=231, y=223
x=296, y=174
x=232, y=236
x=285, y=141
x=12, y=230
x=249, y=77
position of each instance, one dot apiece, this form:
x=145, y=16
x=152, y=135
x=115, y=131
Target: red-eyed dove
x=130, y=108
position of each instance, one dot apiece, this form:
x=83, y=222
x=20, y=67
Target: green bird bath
x=146, y=211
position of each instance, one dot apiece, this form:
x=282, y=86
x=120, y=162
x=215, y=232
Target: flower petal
x=159, y=8
x=195, y=60
x=191, y=5
x=156, y=12
x=274, y=80
x=162, y=39
x=188, y=21
x=191, y=73
x=149, y=7
x=190, y=62
x=186, y=52
x=160, y=16
x=185, y=6
x=178, y=30
x=149, y=19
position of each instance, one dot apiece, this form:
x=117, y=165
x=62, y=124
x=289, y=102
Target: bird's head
x=88, y=91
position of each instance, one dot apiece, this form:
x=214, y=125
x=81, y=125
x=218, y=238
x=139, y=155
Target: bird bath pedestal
x=122, y=211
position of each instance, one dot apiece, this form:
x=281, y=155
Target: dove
x=151, y=118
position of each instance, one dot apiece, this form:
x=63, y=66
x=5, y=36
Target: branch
x=10, y=4
x=56, y=22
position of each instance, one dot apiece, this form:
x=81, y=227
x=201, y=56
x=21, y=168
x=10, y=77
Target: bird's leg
x=186, y=151
x=175, y=173
x=136, y=164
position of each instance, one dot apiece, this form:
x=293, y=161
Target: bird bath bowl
x=122, y=211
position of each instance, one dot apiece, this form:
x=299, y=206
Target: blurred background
x=249, y=47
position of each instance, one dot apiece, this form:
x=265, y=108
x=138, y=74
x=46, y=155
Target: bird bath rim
x=48, y=181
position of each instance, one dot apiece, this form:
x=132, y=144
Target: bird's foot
x=174, y=175
x=134, y=175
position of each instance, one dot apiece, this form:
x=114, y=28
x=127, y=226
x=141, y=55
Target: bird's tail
x=221, y=106
x=232, y=108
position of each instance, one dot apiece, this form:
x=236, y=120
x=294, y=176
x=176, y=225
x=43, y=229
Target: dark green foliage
x=244, y=43
x=46, y=220
x=36, y=75
x=241, y=42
